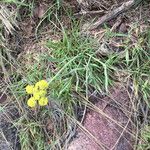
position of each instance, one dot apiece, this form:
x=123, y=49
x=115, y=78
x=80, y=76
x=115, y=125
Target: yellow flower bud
x=36, y=95
x=29, y=89
x=42, y=93
x=43, y=101
x=42, y=85
x=35, y=90
x=31, y=102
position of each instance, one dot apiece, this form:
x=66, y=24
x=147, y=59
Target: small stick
x=89, y=12
x=124, y=7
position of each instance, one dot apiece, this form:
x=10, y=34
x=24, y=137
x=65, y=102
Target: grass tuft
x=74, y=70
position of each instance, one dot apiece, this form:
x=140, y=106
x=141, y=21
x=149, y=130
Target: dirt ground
x=108, y=134
x=110, y=124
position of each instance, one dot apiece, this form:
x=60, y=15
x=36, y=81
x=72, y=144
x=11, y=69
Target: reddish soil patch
x=108, y=134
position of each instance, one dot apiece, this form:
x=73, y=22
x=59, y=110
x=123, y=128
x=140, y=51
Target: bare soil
x=117, y=105
x=108, y=134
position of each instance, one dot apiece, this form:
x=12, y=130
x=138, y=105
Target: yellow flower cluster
x=38, y=91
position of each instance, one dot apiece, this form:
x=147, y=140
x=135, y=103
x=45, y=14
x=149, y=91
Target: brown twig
x=89, y=12
x=124, y=7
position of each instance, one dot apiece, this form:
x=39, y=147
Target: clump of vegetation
x=144, y=143
x=78, y=70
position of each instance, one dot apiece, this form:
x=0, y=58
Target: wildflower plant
x=38, y=94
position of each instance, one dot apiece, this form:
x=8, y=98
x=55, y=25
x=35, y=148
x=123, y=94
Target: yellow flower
x=42, y=93
x=29, y=89
x=42, y=85
x=43, y=101
x=31, y=102
x=36, y=95
x=35, y=90
x=38, y=91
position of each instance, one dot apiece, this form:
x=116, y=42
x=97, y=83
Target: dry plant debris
x=108, y=122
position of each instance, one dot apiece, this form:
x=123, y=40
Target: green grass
x=78, y=70
x=136, y=63
x=144, y=144
x=73, y=68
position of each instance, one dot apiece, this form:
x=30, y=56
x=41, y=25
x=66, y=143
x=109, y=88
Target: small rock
x=3, y=98
x=123, y=28
x=107, y=134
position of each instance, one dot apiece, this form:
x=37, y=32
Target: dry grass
x=8, y=18
x=72, y=63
